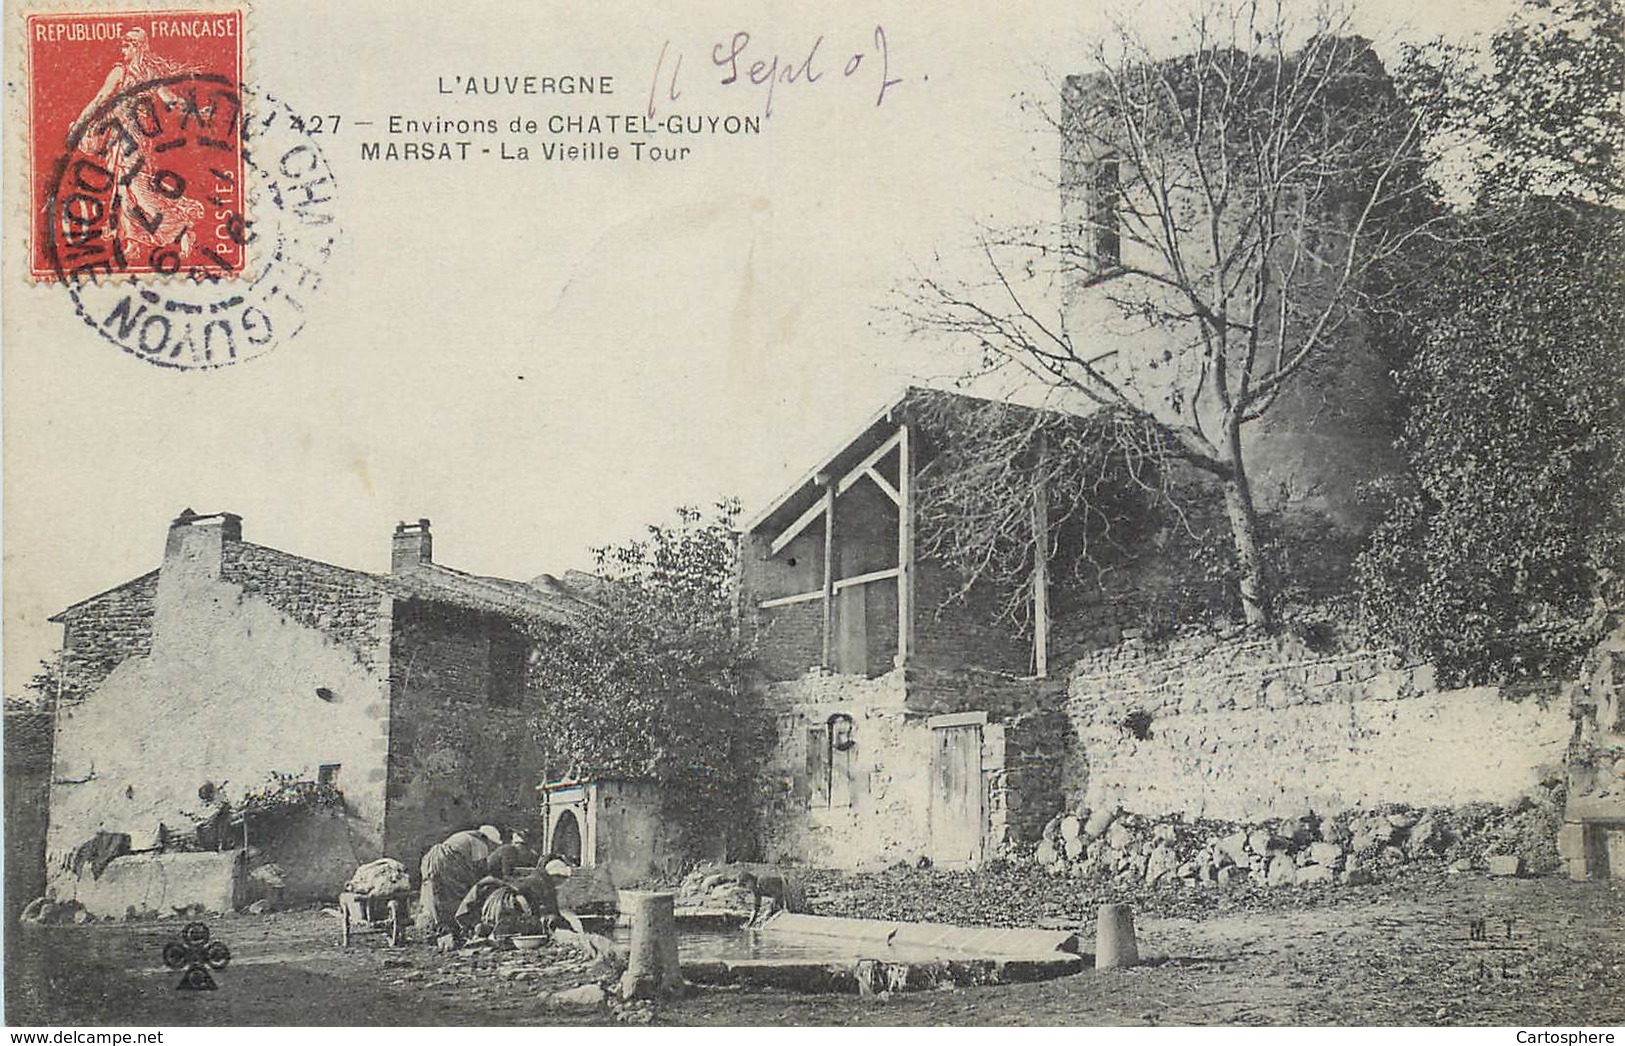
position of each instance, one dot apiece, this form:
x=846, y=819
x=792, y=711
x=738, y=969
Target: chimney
x=195, y=542
x=413, y=546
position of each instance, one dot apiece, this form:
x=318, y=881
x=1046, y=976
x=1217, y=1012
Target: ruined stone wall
x=102, y=633
x=1247, y=731
x=1029, y=790
x=937, y=691
x=455, y=759
x=28, y=740
x=341, y=604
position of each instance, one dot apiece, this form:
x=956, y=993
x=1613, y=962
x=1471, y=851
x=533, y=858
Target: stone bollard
x=1114, y=938
x=652, y=968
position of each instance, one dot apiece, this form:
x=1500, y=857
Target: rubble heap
x=1351, y=848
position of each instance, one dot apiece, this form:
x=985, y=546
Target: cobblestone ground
x=1397, y=953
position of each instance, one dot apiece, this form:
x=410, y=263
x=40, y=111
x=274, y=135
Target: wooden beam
x=784, y=601
x=885, y=487
x=864, y=579
x=841, y=583
x=905, y=545
x=816, y=509
x=868, y=463
x=829, y=574
x=940, y=722
x=794, y=530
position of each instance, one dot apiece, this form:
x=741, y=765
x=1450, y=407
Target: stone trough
x=824, y=954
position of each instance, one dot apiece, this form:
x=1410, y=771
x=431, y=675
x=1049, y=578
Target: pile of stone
x=1352, y=848
x=46, y=912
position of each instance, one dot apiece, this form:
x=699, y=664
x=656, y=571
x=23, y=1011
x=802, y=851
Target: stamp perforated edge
x=19, y=143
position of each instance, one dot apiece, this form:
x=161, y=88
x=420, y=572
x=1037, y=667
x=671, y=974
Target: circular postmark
x=190, y=221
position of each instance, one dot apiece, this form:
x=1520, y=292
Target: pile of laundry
x=385, y=877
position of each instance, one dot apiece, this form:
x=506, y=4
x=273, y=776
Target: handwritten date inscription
x=741, y=62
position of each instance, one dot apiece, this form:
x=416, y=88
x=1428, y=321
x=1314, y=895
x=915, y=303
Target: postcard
x=528, y=513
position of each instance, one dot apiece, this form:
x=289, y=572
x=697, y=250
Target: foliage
x=42, y=688
x=272, y=809
x=1246, y=189
x=1510, y=521
x=1540, y=113
x=650, y=682
x=51, y=685
x=283, y=794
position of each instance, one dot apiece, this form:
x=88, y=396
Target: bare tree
x=1010, y=489
x=1229, y=204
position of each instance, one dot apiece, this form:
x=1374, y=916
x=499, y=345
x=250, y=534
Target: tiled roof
x=432, y=582
x=546, y=599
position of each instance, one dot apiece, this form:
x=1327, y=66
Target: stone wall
x=875, y=812
x=1248, y=731
x=1029, y=791
x=870, y=806
x=953, y=632
x=28, y=741
x=314, y=856
x=156, y=884
x=937, y=691
x=341, y=604
x=631, y=836
x=99, y=634
x=455, y=759
x=1352, y=848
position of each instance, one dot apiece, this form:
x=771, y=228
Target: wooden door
x=957, y=801
x=851, y=631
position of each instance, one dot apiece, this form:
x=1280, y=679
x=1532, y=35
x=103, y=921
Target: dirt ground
x=1394, y=954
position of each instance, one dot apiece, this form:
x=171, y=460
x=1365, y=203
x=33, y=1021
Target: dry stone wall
x=1353, y=848
x=1249, y=731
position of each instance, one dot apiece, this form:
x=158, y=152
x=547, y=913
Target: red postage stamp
x=135, y=138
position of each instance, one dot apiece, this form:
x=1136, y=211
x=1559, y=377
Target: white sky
x=680, y=333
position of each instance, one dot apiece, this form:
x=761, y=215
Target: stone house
x=912, y=725
x=28, y=732
x=915, y=726
x=908, y=725
x=234, y=661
